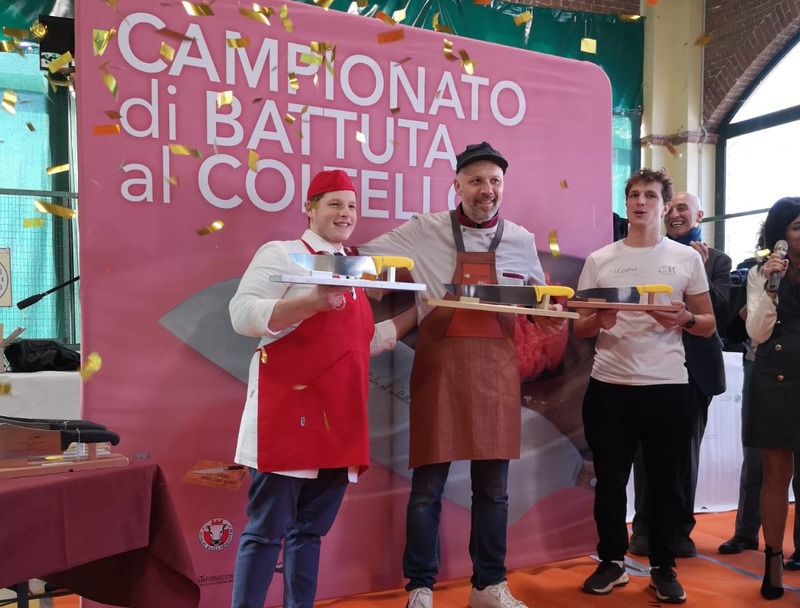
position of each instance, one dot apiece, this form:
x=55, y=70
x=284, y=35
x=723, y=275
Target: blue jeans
x=294, y=513
x=487, y=539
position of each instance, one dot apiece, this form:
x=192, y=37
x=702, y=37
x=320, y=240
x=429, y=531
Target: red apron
x=465, y=402
x=312, y=392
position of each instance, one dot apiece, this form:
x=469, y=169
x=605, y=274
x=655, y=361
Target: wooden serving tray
x=622, y=306
x=516, y=310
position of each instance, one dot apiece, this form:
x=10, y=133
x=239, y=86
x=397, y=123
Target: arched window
x=758, y=153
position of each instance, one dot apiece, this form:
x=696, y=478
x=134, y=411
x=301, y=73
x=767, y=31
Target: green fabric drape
x=620, y=43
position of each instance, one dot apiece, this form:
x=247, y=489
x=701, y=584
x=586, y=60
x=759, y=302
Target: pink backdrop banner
x=225, y=118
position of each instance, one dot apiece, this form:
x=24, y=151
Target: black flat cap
x=481, y=151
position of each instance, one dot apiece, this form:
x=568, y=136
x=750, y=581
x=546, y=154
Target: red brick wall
x=747, y=35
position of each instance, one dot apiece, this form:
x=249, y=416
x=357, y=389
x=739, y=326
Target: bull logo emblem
x=216, y=534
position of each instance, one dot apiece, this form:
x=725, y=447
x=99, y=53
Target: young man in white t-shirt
x=639, y=391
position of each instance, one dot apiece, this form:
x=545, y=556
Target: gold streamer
x=523, y=18
x=91, y=366
x=289, y=119
x=263, y=354
x=288, y=25
x=166, y=51
x=252, y=160
x=262, y=15
x=10, y=101
x=33, y=222
x=589, y=45
x=15, y=33
x=100, y=40
x=552, y=237
x=180, y=149
x=110, y=82
x=59, y=62
x=311, y=59
x=57, y=169
x=326, y=4
x=38, y=29
x=174, y=181
x=58, y=210
x=7, y=46
x=239, y=43
x=293, y=81
x=225, y=98
x=212, y=227
x=197, y=10
x=399, y=15
x=439, y=27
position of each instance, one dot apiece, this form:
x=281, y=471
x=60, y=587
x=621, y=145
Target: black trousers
x=642, y=518
x=617, y=420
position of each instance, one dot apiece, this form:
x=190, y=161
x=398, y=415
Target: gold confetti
x=385, y=18
x=5, y=388
x=671, y=149
x=15, y=33
x=299, y=133
x=399, y=15
x=483, y=2
x=7, y=46
x=762, y=254
x=196, y=153
x=180, y=149
x=33, y=222
x=439, y=27
x=293, y=81
x=112, y=3
x=589, y=45
x=225, y=98
x=174, y=181
x=390, y=36
x=212, y=227
x=261, y=14
x=394, y=110
x=173, y=34
x=523, y=18
x=30, y=126
x=252, y=160
x=564, y=185
x=303, y=110
x=324, y=3
x=106, y=129
x=448, y=51
x=360, y=137
x=630, y=18
x=38, y=29
x=289, y=119
x=197, y=10
x=112, y=114
x=100, y=40
x=299, y=387
x=361, y=3
x=10, y=101
x=110, y=82
x=552, y=237
x=316, y=80
x=166, y=51
x=239, y=43
x=467, y=63
x=311, y=59
x=704, y=39
x=402, y=61
x=263, y=354
x=288, y=25
x=59, y=62
x=58, y=210
x=91, y=366
x=57, y=169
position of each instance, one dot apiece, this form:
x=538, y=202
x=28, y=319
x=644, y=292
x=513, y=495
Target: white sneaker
x=494, y=596
x=422, y=597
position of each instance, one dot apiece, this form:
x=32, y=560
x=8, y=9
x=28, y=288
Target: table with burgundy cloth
x=110, y=535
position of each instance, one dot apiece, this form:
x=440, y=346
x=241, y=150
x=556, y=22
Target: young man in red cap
x=303, y=433
x=465, y=384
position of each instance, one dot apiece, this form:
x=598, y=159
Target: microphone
x=33, y=299
x=782, y=249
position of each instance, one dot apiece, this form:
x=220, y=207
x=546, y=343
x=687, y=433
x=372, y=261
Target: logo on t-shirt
x=627, y=270
x=666, y=270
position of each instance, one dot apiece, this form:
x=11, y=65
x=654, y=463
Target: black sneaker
x=664, y=580
x=607, y=576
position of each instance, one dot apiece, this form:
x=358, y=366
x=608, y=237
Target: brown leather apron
x=465, y=394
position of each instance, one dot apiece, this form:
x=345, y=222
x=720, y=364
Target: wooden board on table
x=345, y=282
x=64, y=466
x=600, y=305
x=516, y=310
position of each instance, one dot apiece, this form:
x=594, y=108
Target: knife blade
x=509, y=294
x=626, y=295
x=51, y=424
x=23, y=442
x=212, y=470
x=343, y=265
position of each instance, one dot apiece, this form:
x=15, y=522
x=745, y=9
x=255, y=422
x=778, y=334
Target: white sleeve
x=761, y=310
x=252, y=305
x=401, y=241
x=698, y=279
x=535, y=270
x=588, y=279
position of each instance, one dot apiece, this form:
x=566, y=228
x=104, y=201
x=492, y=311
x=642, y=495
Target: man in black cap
x=465, y=385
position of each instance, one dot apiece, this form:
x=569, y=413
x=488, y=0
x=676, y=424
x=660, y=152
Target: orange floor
x=711, y=580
